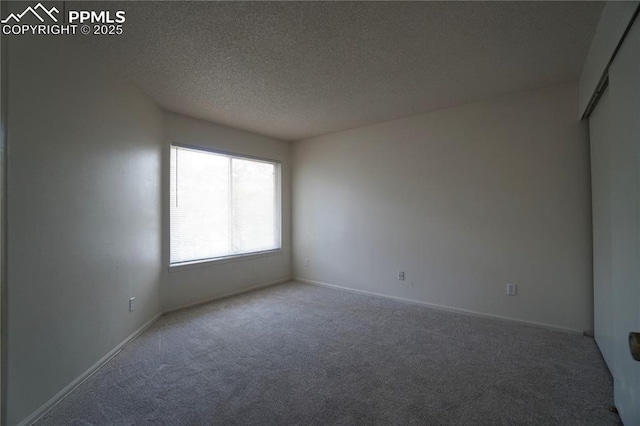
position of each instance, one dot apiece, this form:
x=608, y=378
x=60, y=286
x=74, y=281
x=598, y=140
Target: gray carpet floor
x=307, y=355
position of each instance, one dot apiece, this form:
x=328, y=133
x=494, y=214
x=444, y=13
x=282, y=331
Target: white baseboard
x=230, y=294
x=57, y=398
x=445, y=308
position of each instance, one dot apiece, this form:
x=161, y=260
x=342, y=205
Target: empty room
x=320, y=213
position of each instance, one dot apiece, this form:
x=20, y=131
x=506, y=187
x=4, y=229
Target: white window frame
x=278, y=209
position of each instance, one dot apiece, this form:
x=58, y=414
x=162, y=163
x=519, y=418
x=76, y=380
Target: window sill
x=219, y=260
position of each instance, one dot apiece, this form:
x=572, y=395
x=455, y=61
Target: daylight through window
x=222, y=205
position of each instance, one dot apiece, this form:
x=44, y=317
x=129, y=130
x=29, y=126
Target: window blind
x=221, y=205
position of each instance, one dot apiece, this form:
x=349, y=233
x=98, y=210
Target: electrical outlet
x=306, y=262
x=401, y=276
x=512, y=289
x=132, y=304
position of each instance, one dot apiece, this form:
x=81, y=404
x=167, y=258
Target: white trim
x=230, y=294
x=57, y=398
x=444, y=308
x=200, y=148
x=223, y=259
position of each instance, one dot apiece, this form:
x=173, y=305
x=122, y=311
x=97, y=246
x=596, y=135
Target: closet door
x=615, y=139
x=599, y=130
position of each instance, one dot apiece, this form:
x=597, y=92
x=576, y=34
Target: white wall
x=463, y=200
x=84, y=212
x=192, y=284
x=86, y=199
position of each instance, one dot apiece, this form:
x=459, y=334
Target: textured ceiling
x=293, y=70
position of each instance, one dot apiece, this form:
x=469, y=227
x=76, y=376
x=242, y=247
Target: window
x=222, y=205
